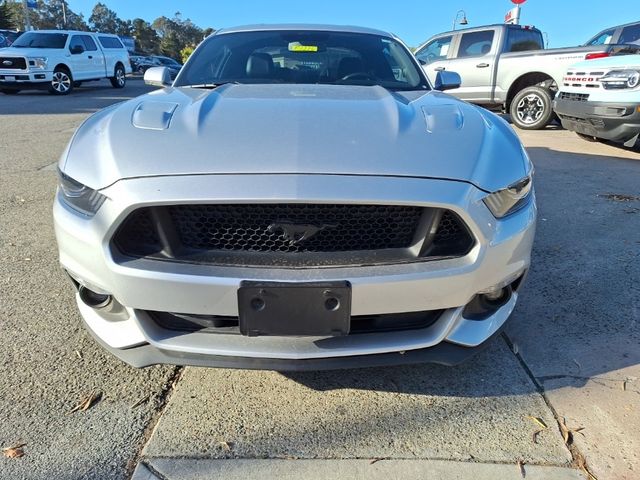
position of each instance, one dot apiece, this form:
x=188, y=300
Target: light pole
x=463, y=21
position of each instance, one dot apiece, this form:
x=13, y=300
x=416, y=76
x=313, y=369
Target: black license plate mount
x=316, y=309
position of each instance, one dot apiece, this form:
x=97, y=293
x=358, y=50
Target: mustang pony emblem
x=296, y=233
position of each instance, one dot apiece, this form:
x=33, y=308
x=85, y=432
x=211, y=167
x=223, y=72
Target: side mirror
x=77, y=50
x=158, y=77
x=447, y=81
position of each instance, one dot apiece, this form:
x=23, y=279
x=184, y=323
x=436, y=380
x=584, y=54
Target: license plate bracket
x=317, y=309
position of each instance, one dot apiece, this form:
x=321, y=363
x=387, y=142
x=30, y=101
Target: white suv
x=60, y=60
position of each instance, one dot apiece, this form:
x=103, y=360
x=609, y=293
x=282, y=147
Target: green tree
x=103, y=19
x=147, y=40
x=48, y=14
x=7, y=20
x=186, y=52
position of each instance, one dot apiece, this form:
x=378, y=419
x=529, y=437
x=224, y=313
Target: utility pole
x=64, y=14
x=27, y=22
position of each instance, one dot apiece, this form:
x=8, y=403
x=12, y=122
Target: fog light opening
x=93, y=299
x=483, y=305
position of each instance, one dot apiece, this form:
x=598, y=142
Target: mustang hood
x=299, y=129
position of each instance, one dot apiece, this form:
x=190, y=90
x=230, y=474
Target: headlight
x=38, y=62
x=617, y=79
x=78, y=196
x=505, y=202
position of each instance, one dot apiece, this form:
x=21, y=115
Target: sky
x=566, y=22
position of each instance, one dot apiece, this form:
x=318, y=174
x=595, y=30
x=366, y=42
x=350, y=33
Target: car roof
x=73, y=32
x=303, y=27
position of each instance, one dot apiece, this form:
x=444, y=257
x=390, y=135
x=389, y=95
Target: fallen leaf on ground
x=140, y=402
x=520, y=465
x=538, y=420
x=620, y=197
x=376, y=460
x=582, y=464
x=87, y=402
x=567, y=433
x=535, y=435
x=16, y=451
x=226, y=446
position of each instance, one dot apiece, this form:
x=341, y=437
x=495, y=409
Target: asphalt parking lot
x=557, y=396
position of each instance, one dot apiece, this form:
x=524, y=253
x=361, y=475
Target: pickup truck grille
x=13, y=63
x=292, y=235
x=574, y=97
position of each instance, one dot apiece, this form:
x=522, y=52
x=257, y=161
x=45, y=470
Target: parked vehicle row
x=59, y=60
x=507, y=66
x=141, y=63
x=7, y=37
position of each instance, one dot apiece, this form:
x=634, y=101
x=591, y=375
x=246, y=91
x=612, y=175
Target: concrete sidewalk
x=345, y=469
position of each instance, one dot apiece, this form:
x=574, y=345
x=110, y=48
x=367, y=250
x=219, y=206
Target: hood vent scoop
x=153, y=115
x=443, y=117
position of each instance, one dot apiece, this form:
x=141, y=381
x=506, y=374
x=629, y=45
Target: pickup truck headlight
x=617, y=79
x=509, y=200
x=78, y=196
x=38, y=62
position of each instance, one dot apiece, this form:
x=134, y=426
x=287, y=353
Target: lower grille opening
x=292, y=235
x=359, y=323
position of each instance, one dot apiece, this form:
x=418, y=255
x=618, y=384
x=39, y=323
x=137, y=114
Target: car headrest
x=486, y=49
x=259, y=65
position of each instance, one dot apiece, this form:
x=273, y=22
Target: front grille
x=13, y=63
x=292, y=235
x=360, y=324
x=574, y=97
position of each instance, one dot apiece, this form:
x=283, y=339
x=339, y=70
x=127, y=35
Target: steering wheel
x=358, y=75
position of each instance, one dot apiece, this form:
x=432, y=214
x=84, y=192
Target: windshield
x=309, y=57
x=41, y=40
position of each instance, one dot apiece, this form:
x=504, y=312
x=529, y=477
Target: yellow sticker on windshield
x=298, y=47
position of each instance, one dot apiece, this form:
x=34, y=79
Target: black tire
x=589, y=138
x=62, y=82
x=9, y=91
x=532, y=108
x=119, y=79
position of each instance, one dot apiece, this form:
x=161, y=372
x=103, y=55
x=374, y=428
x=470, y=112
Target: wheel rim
x=530, y=109
x=120, y=77
x=61, y=82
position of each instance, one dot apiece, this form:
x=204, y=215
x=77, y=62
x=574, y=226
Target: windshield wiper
x=210, y=85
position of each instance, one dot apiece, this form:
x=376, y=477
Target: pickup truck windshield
x=308, y=57
x=41, y=40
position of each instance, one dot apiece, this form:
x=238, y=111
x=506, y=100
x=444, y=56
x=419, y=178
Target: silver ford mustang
x=300, y=198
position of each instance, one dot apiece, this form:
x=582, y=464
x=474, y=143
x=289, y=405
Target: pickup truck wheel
x=118, y=80
x=9, y=91
x=531, y=108
x=61, y=83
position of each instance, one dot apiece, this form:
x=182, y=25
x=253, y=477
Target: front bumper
x=19, y=79
x=618, y=122
x=500, y=256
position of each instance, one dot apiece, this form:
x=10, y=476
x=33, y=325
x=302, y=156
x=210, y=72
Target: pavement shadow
x=88, y=98
x=579, y=311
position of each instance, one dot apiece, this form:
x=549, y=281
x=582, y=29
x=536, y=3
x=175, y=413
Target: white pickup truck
x=59, y=60
x=507, y=66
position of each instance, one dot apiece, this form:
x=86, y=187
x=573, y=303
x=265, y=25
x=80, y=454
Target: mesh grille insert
x=291, y=235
